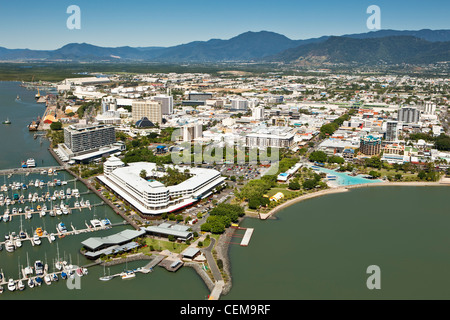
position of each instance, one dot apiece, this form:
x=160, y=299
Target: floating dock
x=247, y=237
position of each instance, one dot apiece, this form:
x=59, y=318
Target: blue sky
x=42, y=24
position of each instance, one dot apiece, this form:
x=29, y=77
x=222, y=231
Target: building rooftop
x=115, y=239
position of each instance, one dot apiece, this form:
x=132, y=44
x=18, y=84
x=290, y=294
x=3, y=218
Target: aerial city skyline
x=253, y=152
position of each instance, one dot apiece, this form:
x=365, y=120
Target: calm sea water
x=321, y=248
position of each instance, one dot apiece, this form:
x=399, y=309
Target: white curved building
x=151, y=197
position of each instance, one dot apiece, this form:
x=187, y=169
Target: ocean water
x=321, y=248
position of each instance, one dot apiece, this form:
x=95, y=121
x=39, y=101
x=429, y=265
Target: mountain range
x=383, y=46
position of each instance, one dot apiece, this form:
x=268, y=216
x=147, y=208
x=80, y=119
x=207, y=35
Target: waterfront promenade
x=340, y=189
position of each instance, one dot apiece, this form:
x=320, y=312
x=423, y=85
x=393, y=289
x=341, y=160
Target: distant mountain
x=425, y=34
x=244, y=47
x=388, y=50
x=257, y=46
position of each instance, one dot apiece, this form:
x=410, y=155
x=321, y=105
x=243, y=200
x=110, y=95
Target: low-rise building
x=151, y=197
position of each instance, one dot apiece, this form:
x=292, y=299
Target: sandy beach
x=340, y=189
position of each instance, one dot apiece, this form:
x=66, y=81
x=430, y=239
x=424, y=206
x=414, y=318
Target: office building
x=274, y=137
x=191, y=132
x=258, y=113
x=166, y=103
x=391, y=131
x=147, y=109
x=430, y=108
x=199, y=96
x=239, y=104
x=408, y=115
x=109, y=104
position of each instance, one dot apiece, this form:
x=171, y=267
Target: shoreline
x=340, y=189
x=221, y=245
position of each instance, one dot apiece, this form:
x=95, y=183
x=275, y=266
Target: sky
x=42, y=25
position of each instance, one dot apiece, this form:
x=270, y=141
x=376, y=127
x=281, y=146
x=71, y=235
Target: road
x=211, y=262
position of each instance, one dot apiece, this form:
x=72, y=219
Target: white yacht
x=36, y=240
x=20, y=285
x=31, y=283
x=18, y=243
x=127, y=275
x=11, y=285
x=31, y=163
x=96, y=223
x=47, y=279
x=9, y=246
x=39, y=268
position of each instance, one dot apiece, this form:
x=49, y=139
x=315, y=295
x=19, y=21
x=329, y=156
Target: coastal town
x=183, y=158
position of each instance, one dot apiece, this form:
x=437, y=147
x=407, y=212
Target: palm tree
x=143, y=174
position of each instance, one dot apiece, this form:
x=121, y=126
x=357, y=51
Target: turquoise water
x=343, y=179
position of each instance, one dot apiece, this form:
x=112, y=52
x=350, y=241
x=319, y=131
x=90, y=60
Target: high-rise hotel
x=81, y=138
x=147, y=108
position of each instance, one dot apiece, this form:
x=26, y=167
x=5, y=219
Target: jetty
x=247, y=237
x=130, y=273
x=67, y=271
x=51, y=212
x=6, y=172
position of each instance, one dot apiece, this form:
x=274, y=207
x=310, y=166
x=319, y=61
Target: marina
x=36, y=275
x=24, y=146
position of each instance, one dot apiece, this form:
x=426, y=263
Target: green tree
x=56, y=126
x=294, y=185
x=309, y=184
x=318, y=156
x=374, y=174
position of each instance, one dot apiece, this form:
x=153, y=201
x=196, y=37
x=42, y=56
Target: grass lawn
x=285, y=191
x=160, y=245
x=385, y=172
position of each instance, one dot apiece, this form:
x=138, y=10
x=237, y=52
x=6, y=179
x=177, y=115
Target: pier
x=247, y=237
x=6, y=172
x=51, y=236
x=67, y=271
